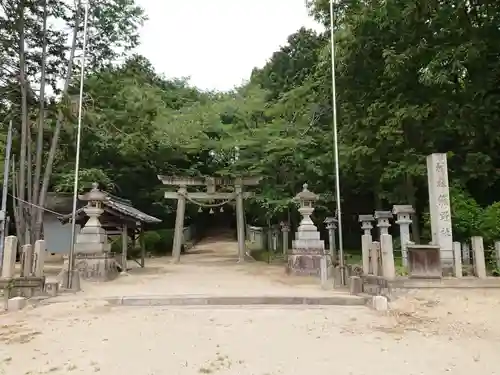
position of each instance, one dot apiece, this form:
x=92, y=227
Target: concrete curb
x=236, y=301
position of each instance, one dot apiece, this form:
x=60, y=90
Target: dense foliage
x=412, y=78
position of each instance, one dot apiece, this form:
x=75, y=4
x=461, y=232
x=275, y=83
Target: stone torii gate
x=210, y=195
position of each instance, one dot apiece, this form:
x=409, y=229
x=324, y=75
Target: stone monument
x=439, y=207
x=331, y=225
x=307, y=248
x=94, y=262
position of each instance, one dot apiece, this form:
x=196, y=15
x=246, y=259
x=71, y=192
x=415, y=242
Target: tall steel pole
x=71, y=260
x=3, y=209
x=336, y=148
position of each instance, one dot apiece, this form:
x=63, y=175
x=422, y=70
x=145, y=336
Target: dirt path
x=209, y=269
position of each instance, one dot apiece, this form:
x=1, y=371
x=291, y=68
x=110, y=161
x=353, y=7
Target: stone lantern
x=307, y=248
x=94, y=262
x=306, y=201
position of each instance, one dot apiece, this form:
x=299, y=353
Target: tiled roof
x=123, y=206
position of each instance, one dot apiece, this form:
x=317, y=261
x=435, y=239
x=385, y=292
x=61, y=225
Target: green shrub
x=151, y=240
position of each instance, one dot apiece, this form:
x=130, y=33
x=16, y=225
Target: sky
x=217, y=43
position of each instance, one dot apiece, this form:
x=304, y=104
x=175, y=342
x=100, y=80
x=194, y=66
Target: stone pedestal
x=424, y=261
x=97, y=267
x=403, y=219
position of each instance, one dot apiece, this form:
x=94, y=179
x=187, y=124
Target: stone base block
x=97, y=267
x=305, y=264
x=16, y=303
x=63, y=280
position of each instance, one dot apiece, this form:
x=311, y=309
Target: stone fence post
x=388, y=267
x=366, y=240
x=478, y=252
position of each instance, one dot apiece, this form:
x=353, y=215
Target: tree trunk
x=24, y=118
x=29, y=174
x=41, y=124
x=55, y=138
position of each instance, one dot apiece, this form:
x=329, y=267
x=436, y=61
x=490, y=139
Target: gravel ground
x=427, y=332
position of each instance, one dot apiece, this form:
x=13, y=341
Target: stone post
x=9, y=257
x=331, y=225
x=26, y=260
x=179, y=224
x=478, y=251
x=403, y=219
x=285, y=229
x=388, y=267
x=439, y=207
x=366, y=240
x=240, y=219
x=457, y=259
x=124, y=247
x=374, y=257
x=39, y=258
x=497, y=254
x=466, y=253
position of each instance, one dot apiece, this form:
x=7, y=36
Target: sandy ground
x=426, y=332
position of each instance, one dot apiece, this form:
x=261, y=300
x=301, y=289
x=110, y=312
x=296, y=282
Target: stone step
x=338, y=300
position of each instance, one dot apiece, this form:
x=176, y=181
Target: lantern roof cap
x=306, y=194
x=94, y=194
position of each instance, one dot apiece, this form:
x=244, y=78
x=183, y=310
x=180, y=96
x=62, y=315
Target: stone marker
x=39, y=258
x=439, y=205
x=9, y=257
x=388, y=267
x=457, y=259
x=324, y=272
x=478, y=251
x=380, y=303
x=285, y=229
x=403, y=214
x=16, y=303
x=26, y=260
x=366, y=240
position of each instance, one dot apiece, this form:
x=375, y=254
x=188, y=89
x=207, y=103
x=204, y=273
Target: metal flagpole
x=71, y=260
x=336, y=149
x=3, y=209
